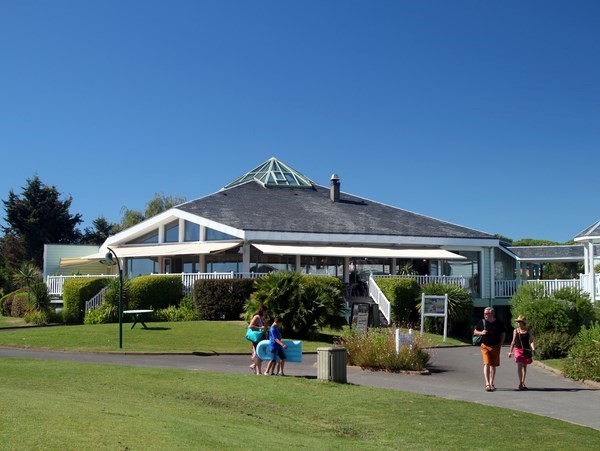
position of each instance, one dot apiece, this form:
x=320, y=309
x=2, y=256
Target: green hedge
x=155, y=292
x=76, y=292
x=222, y=299
x=19, y=305
x=6, y=301
x=403, y=295
x=584, y=357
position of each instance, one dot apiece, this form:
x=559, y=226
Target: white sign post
x=436, y=306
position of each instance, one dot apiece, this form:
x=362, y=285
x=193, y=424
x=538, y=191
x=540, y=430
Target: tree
x=161, y=203
x=534, y=242
x=158, y=204
x=39, y=216
x=100, y=231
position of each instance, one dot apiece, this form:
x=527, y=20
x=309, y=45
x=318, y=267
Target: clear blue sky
x=481, y=113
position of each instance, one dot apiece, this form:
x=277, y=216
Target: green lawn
x=7, y=321
x=194, y=336
x=67, y=405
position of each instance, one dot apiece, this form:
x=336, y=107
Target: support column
x=346, y=269
x=245, y=258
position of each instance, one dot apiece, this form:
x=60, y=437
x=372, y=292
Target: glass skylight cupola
x=274, y=173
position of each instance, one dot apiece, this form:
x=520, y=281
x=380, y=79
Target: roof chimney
x=334, y=190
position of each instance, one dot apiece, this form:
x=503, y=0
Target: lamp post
x=110, y=261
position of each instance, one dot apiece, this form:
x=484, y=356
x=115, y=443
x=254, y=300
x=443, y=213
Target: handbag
x=527, y=352
x=477, y=338
x=254, y=336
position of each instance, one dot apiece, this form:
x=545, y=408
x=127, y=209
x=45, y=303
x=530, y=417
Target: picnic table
x=138, y=316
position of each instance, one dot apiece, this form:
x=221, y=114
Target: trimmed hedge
x=6, y=301
x=155, y=292
x=76, y=292
x=19, y=305
x=222, y=299
x=403, y=295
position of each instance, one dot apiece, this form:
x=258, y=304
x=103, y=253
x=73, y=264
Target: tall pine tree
x=38, y=216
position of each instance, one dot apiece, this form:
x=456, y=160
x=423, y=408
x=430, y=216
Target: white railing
x=507, y=288
x=462, y=282
x=380, y=299
x=95, y=302
x=56, y=283
x=586, y=285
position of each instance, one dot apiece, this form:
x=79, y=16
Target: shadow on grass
x=156, y=328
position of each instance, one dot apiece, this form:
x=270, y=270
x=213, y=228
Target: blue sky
x=481, y=113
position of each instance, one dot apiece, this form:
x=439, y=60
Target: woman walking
x=258, y=322
x=523, y=345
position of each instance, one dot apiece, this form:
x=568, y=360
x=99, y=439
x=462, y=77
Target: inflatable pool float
x=293, y=353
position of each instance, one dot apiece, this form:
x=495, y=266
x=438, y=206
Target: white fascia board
x=141, y=228
x=586, y=239
x=164, y=218
x=369, y=239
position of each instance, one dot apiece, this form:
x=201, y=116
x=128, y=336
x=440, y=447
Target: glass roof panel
x=274, y=173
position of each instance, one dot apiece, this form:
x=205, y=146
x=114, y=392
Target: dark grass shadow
x=155, y=328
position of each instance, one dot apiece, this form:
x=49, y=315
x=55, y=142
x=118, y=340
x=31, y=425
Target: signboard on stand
x=360, y=316
x=436, y=306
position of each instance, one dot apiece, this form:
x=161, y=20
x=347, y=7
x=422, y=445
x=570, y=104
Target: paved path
x=457, y=373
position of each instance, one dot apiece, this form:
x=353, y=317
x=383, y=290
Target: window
x=150, y=237
x=191, y=231
x=141, y=266
x=172, y=232
x=215, y=235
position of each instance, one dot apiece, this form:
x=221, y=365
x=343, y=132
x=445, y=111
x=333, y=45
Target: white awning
x=367, y=252
x=156, y=250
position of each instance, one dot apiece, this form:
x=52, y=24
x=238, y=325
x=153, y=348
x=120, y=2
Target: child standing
x=276, y=347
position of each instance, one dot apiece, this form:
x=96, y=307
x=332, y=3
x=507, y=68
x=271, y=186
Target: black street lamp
x=110, y=261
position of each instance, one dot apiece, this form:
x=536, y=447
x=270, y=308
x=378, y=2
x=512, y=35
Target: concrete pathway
x=456, y=373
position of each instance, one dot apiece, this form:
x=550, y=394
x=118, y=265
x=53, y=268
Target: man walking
x=492, y=334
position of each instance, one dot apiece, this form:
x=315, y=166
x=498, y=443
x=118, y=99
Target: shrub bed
x=376, y=349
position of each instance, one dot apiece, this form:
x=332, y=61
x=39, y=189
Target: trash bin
x=331, y=364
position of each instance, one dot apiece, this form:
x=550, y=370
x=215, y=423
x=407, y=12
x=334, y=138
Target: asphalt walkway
x=456, y=373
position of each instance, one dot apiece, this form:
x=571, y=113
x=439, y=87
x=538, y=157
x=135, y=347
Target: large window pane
x=172, y=232
x=215, y=235
x=150, y=237
x=141, y=266
x=192, y=231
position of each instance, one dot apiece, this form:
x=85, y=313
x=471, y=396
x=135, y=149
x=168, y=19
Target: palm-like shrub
x=460, y=308
x=305, y=303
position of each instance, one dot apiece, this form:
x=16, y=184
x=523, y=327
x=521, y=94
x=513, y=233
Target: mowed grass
x=68, y=405
x=185, y=337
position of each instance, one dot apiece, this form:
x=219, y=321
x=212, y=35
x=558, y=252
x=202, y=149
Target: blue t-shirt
x=274, y=334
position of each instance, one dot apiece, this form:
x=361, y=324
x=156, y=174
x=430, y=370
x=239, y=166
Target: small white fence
x=462, y=282
x=56, y=283
x=507, y=288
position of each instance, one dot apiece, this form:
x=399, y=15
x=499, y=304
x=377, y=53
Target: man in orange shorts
x=492, y=334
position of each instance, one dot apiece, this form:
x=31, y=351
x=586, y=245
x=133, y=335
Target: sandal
x=488, y=388
x=520, y=387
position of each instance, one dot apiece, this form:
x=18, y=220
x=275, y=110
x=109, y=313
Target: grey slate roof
x=593, y=230
x=550, y=253
x=252, y=207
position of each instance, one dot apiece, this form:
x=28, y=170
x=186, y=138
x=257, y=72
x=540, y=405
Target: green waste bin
x=331, y=364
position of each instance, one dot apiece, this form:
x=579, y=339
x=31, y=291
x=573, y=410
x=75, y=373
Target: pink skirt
x=520, y=358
